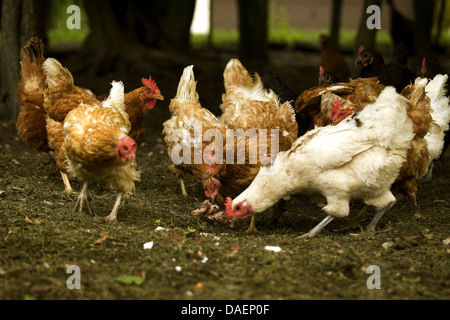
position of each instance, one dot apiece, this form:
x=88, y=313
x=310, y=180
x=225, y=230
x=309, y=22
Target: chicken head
x=150, y=94
x=126, y=149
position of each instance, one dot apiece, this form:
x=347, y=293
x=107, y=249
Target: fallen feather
x=178, y=269
x=148, y=245
x=48, y=203
x=387, y=245
x=272, y=248
x=160, y=229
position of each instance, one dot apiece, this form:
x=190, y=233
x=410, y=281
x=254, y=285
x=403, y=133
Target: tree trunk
x=122, y=34
x=424, y=13
x=336, y=23
x=20, y=21
x=253, y=29
x=366, y=36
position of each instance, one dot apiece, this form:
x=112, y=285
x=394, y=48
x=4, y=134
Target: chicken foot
x=379, y=214
x=412, y=196
x=83, y=199
x=316, y=230
x=112, y=218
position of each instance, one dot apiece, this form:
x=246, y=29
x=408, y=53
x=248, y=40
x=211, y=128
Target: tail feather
x=56, y=74
x=32, y=58
x=116, y=96
x=235, y=74
x=187, y=87
x=440, y=109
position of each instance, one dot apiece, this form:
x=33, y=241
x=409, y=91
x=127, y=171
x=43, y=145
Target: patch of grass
x=288, y=36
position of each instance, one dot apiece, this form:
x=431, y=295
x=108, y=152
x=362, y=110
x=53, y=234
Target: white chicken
x=359, y=158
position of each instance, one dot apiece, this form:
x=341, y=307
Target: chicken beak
x=357, y=61
x=159, y=97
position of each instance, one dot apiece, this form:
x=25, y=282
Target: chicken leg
x=252, y=227
x=183, y=188
x=413, y=197
x=112, y=218
x=65, y=178
x=316, y=230
x=372, y=225
x=83, y=199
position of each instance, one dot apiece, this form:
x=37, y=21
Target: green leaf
x=413, y=280
x=130, y=280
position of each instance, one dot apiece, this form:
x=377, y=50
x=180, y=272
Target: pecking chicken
x=332, y=61
x=247, y=108
x=97, y=145
x=359, y=158
x=184, y=131
x=428, y=140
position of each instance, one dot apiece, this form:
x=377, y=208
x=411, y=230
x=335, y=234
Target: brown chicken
x=184, y=134
x=246, y=105
x=60, y=97
x=360, y=92
x=31, y=119
x=97, y=145
x=332, y=61
x=44, y=133
x=418, y=157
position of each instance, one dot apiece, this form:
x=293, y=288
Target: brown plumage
x=418, y=157
x=40, y=120
x=181, y=131
x=31, y=119
x=331, y=60
x=246, y=106
x=97, y=146
x=360, y=92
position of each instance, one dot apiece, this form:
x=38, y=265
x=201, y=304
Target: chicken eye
x=238, y=208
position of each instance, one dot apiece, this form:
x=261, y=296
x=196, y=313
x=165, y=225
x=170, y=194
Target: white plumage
x=440, y=112
x=359, y=158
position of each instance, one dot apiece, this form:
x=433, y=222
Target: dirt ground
x=41, y=236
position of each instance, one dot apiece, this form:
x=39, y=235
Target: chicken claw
x=83, y=199
x=112, y=218
x=316, y=230
x=211, y=213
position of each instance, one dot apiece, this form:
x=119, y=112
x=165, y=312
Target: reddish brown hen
x=31, y=120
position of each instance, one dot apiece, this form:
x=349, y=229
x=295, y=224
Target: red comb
x=149, y=83
x=228, y=204
x=424, y=65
